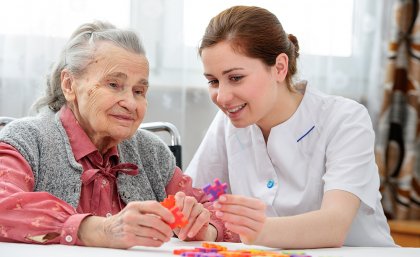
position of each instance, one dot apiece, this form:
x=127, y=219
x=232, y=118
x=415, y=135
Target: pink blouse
x=39, y=217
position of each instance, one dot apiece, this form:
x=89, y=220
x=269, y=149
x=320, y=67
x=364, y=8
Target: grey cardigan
x=44, y=144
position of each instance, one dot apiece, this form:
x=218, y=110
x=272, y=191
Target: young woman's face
x=109, y=99
x=244, y=88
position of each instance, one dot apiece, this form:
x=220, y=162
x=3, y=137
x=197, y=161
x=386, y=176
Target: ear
x=68, y=85
x=281, y=66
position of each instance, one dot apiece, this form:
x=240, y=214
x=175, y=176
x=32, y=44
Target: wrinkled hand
x=139, y=223
x=198, y=219
x=242, y=215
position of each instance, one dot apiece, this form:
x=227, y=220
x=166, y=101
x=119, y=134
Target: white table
x=30, y=250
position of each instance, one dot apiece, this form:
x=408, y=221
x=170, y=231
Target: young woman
x=299, y=163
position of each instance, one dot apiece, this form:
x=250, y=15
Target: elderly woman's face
x=109, y=99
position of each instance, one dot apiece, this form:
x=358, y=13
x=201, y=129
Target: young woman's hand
x=242, y=215
x=198, y=217
x=139, y=223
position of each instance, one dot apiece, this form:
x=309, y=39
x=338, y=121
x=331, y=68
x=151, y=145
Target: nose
x=224, y=95
x=128, y=100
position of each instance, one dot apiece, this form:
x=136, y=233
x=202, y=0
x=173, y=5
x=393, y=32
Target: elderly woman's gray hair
x=79, y=51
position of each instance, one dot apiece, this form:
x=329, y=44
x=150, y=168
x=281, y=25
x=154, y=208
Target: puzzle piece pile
x=215, y=190
x=214, y=250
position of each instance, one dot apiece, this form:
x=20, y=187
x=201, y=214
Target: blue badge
x=270, y=183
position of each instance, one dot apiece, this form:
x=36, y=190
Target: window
x=313, y=27
x=59, y=18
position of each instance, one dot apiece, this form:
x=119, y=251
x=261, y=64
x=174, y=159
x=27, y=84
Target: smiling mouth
x=236, y=109
x=123, y=117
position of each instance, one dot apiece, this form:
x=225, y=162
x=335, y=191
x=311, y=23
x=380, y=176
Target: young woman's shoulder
x=335, y=108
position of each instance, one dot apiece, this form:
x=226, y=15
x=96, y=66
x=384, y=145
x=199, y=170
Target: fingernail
x=217, y=205
x=190, y=235
x=222, y=198
x=181, y=236
x=219, y=213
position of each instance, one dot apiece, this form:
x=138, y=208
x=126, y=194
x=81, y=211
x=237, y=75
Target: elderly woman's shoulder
x=147, y=144
x=30, y=123
x=25, y=134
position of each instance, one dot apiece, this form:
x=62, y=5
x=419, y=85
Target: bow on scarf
x=94, y=175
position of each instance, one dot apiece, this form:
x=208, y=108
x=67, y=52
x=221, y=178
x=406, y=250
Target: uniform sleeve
x=210, y=161
x=350, y=159
x=183, y=183
x=32, y=217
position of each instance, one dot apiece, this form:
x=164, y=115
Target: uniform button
x=69, y=239
x=270, y=183
x=104, y=182
x=108, y=215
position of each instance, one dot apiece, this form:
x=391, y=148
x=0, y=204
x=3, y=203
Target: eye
x=140, y=90
x=113, y=84
x=236, y=78
x=213, y=82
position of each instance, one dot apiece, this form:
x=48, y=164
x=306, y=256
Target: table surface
x=25, y=250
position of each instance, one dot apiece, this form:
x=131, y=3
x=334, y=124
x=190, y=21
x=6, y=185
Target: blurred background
x=343, y=50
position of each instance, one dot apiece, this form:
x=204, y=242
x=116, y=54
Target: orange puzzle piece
x=169, y=202
x=180, y=221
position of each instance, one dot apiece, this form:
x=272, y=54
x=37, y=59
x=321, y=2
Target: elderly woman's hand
x=198, y=217
x=139, y=223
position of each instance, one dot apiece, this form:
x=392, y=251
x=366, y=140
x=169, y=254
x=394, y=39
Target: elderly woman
x=81, y=173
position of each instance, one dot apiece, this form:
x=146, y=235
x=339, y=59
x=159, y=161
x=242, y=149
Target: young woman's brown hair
x=255, y=32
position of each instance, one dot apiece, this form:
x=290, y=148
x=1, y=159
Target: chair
x=170, y=128
x=174, y=145
x=4, y=121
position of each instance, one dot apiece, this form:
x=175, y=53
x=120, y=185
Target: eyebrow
x=144, y=82
x=225, y=72
x=121, y=75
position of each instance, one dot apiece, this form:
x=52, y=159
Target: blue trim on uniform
x=306, y=133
